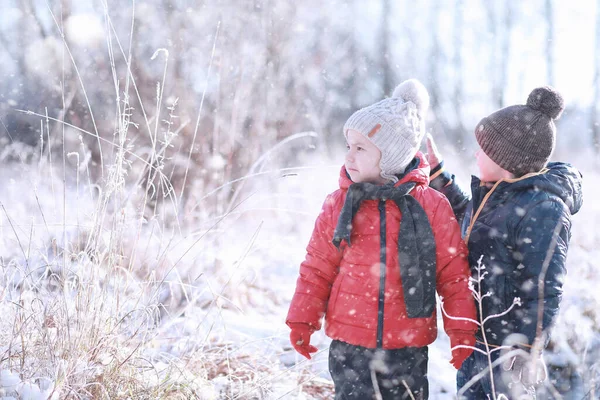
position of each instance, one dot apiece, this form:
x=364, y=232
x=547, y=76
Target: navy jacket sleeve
x=542, y=239
x=458, y=197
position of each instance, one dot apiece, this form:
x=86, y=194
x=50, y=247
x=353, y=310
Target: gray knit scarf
x=416, y=244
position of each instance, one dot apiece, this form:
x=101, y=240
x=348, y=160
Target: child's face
x=489, y=171
x=362, y=159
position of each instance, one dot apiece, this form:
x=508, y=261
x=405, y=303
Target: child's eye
x=359, y=148
x=348, y=147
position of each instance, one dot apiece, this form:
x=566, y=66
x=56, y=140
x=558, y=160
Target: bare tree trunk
x=439, y=123
x=494, y=59
x=409, y=66
x=550, y=42
x=504, y=60
x=29, y=8
x=500, y=40
x=67, y=9
x=353, y=54
x=458, y=71
x=384, y=50
x=594, y=122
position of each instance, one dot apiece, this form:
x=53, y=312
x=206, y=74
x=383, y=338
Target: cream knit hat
x=395, y=125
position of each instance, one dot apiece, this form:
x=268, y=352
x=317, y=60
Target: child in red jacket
x=381, y=247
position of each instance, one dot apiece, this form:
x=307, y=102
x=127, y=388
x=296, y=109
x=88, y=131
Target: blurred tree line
x=218, y=83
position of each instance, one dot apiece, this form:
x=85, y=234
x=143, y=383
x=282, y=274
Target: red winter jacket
x=345, y=285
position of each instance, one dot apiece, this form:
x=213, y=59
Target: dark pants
x=359, y=373
x=482, y=389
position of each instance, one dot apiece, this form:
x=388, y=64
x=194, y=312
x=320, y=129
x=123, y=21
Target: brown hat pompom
x=546, y=100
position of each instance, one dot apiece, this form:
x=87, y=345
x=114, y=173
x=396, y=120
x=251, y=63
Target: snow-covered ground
x=199, y=312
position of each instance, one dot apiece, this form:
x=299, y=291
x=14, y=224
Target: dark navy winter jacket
x=520, y=229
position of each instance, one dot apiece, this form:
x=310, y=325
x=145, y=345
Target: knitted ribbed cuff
x=440, y=181
x=436, y=171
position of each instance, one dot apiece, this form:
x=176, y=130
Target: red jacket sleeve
x=453, y=272
x=317, y=271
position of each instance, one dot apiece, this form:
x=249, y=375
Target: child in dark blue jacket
x=516, y=222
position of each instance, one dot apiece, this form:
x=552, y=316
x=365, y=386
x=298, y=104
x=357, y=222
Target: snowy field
x=110, y=290
x=97, y=302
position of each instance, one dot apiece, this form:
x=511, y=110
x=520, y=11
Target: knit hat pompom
x=546, y=100
x=412, y=90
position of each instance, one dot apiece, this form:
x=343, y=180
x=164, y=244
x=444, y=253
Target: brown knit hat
x=521, y=138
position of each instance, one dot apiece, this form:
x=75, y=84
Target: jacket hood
x=417, y=171
x=565, y=181
x=561, y=180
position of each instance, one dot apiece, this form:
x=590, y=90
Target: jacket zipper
x=382, y=263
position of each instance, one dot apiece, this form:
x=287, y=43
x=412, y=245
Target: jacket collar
x=559, y=179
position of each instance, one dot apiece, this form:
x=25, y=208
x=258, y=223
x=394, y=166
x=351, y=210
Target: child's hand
x=300, y=339
x=529, y=369
x=460, y=354
x=434, y=158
